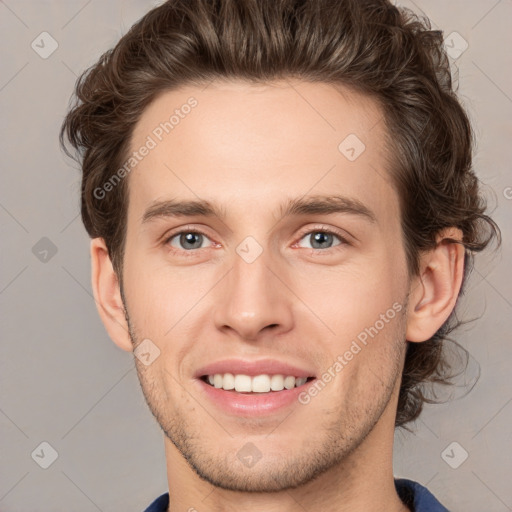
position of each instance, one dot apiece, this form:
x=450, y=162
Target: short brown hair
x=371, y=46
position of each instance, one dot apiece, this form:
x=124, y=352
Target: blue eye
x=187, y=240
x=322, y=239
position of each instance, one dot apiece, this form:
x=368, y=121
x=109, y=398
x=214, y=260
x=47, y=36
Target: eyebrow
x=310, y=205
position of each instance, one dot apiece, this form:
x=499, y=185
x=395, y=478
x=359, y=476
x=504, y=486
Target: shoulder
x=417, y=497
x=160, y=504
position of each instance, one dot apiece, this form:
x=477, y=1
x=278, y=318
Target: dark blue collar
x=414, y=495
x=417, y=497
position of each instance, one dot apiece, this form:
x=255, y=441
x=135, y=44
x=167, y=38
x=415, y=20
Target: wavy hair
x=370, y=46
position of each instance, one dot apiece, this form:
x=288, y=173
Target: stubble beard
x=344, y=429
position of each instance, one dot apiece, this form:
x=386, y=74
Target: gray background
x=64, y=382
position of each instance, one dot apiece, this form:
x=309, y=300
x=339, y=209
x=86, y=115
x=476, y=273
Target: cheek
x=348, y=300
x=149, y=295
x=370, y=347
x=164, y=299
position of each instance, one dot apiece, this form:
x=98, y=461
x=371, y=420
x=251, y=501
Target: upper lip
x=253, y=368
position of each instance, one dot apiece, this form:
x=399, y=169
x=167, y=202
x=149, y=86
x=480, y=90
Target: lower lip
x=253, y=404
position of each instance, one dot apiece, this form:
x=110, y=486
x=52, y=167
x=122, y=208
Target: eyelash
x=318, y=229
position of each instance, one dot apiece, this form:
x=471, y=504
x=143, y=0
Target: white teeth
x=217, y=381
x=277, y=383
x=257, y=384
x=228, y=381
x=261, y=384
x=289, y=382
x=243, y=383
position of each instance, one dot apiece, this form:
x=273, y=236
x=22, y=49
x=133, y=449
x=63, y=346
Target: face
x=263, y=243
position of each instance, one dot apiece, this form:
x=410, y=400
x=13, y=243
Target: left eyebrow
x=309, y=205
x=327, y=205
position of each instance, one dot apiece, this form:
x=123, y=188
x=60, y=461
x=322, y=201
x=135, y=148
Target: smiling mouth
x=257, y=384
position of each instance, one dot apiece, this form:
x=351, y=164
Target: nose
x=254, y=299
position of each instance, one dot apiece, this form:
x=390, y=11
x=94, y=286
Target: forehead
x=244, y=145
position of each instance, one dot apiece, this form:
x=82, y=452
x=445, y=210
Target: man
x=282, y=210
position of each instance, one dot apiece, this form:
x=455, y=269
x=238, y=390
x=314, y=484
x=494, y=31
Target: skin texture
x=247, y=150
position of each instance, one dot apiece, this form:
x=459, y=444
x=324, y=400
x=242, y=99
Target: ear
x=107, y=294
x=434, y=291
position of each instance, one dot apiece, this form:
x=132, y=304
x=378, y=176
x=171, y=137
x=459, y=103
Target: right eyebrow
x=172, y=208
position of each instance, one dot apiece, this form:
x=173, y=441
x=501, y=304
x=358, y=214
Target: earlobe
x=107, y=294
x=434, y=292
